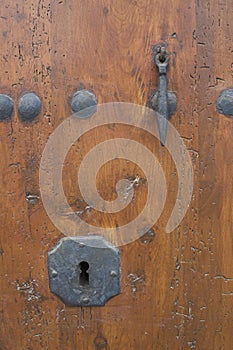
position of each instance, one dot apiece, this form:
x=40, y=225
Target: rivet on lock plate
x=84, y=271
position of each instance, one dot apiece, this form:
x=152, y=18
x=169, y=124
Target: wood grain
x=176, y=289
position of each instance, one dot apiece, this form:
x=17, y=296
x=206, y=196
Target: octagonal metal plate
x=103, y=272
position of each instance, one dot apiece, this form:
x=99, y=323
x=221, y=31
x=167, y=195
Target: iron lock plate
x=84, y=271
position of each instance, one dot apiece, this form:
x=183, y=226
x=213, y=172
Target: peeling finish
x=135, y=281
x=29, y=289
x=41, y=52
x=224, y=278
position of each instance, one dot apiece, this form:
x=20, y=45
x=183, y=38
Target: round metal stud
x=29, y=106
x=6, y=107
x=83, y=103
x=225, y=103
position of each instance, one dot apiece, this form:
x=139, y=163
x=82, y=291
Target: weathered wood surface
x=177, y=289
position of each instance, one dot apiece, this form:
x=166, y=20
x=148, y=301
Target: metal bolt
x=225, y=103
x=6, y=107
x=29, y=106
x=113, y=274
x=54, y=273
x=85, y=300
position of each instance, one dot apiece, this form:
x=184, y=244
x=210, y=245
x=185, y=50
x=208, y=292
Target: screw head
x=54, y=273
x=85, y=300
x=113, y=274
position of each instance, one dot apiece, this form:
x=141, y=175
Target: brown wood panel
x=176, y=289
x=214, y=72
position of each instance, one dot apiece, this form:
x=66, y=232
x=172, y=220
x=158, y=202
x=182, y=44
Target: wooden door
x=176, y=288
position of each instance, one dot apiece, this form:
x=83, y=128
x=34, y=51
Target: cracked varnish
x=177, y=289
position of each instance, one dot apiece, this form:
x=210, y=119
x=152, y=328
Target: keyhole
x=84, y=275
